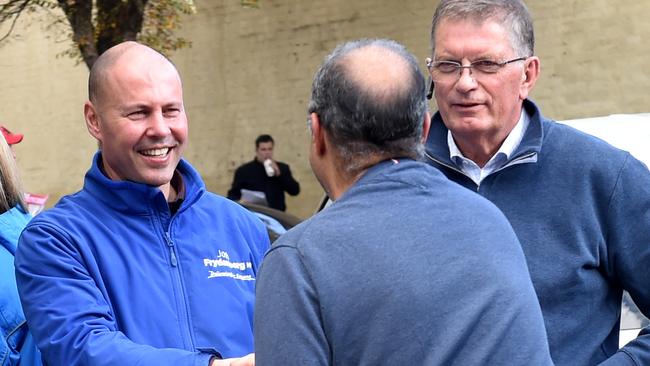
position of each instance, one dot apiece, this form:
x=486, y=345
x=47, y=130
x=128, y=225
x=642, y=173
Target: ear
x=426, y=125
x=92, y=120
x=529, y=76
x=318, y=139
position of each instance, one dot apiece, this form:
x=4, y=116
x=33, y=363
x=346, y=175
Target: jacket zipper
x=452, y=168
x=172, y=253
x=181, y=301
x=516, y=161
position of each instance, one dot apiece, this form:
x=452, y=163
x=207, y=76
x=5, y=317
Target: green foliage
x=93, y=26
x=163, y=18
x=250, y=3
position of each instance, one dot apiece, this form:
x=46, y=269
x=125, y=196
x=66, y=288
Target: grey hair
x=513, y=15
x=364, y=122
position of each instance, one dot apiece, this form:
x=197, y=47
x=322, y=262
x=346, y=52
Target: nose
x=158, y=125
x=466, y=81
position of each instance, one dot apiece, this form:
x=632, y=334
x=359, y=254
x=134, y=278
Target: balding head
x=378, y=72
x=370, y=98
x=137, y=115
x=107, y=60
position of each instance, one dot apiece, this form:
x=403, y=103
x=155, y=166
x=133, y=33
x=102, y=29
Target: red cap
x=12, y=138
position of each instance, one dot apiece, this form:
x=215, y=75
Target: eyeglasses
x=449, y=71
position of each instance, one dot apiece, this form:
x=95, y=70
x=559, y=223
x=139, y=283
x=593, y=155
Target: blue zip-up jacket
x=581, y=210
x=17, y=346
x=108, y=277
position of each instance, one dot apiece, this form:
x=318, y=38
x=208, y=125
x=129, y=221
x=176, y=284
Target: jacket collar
x=139, y=198
x=437, y=148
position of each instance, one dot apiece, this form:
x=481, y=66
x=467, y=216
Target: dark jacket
x=252, y=176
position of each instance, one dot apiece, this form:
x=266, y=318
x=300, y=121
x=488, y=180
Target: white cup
x=268, y=166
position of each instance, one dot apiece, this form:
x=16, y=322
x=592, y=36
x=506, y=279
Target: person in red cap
x=10, y=137
x=17, y=347
x=35, y=202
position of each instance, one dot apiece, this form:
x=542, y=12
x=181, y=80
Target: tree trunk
x=117, y=21
x=120, y=21
x=79, y=14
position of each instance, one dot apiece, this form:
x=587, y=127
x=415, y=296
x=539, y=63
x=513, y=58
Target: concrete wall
x=249, y=72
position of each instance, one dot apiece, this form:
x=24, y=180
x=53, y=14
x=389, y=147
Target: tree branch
x=12, y=10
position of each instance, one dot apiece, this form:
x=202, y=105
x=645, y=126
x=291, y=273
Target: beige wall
x=249, y=72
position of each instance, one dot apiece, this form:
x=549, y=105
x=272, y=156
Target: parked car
x=277, y=222
x=630, y=132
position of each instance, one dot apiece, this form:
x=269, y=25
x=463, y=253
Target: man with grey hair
x=579, y=206
x=364, y=282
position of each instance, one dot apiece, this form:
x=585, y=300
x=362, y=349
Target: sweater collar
x=379, y=172
x=135, y=197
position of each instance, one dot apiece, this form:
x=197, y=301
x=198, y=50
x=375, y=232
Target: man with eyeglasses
x=580, y=207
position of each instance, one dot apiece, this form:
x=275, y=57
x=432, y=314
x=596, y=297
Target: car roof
x=629, y=132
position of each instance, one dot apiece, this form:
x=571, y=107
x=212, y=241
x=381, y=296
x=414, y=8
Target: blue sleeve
x=628, y=243
x=69, y=316
x=288, y=330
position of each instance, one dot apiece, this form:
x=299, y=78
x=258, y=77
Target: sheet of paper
x=255, y=197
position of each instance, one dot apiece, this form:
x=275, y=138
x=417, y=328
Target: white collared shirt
x=498, y=160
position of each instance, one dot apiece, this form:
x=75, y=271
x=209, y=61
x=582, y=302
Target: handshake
x=248, y=360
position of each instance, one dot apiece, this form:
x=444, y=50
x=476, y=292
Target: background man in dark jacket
x=265, y=179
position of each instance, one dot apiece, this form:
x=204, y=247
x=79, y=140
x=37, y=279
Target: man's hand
x=276, y=168
x=248, y=360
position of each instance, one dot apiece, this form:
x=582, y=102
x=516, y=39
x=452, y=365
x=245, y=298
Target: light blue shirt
x=497, y=161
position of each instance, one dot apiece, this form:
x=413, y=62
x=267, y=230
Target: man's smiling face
x=141, y=121
x=473, y=105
